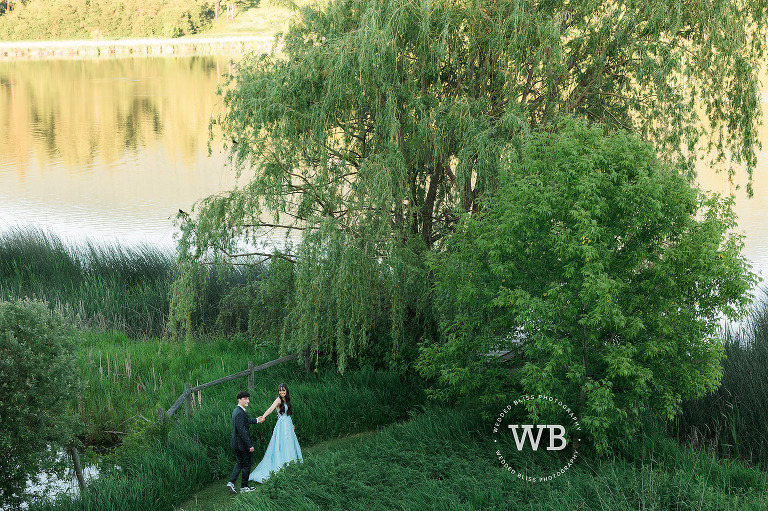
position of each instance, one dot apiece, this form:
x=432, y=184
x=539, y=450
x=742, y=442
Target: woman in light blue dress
x=283, y=446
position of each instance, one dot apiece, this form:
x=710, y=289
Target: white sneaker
x=231, y=488
x=246, y=489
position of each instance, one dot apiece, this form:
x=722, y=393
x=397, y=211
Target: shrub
x=37, y=381
x=601, y=272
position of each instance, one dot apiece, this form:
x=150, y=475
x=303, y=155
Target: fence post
x=188, y=391
x=78, y=469
x=250, y=376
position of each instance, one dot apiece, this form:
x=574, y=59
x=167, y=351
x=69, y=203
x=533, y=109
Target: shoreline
x=34, y=50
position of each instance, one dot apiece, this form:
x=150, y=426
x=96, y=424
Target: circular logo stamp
x=516, y=441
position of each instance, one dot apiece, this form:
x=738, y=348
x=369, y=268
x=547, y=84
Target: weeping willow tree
x=378, y=124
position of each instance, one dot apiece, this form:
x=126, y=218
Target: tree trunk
x=429, y=205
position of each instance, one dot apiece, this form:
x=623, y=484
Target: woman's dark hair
x=285, y=402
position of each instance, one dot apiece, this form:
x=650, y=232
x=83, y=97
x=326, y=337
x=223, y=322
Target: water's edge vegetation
x=107, y=287
x=117, y=298
x=24, y=50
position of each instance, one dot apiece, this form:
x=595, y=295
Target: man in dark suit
x=241, y=443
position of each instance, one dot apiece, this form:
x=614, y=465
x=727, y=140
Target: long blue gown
x=283, y=448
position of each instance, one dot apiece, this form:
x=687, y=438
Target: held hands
x=260, y=418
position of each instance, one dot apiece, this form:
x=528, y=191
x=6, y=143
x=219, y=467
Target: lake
x=111, y=149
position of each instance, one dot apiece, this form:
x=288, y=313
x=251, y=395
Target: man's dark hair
x=242, y=394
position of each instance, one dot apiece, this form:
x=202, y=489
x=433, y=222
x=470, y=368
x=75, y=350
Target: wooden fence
x=189, y=390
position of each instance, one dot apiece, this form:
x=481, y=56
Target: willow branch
x=278, y=226
x=260, y=254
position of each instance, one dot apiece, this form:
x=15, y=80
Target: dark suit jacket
x=241, y=436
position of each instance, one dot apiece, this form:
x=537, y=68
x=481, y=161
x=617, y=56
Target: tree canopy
x=595, y=274
x=379, y=124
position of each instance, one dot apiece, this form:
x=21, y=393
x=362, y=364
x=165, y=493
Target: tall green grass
x=731, y=422
x=93, y=286
x=444, y=459
x=112, y=287
x=171, y=461
x=126, y=381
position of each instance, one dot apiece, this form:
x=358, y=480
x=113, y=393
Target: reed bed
x=126, y=381
x=106, y=287
x=92, y=285
x=731, y=422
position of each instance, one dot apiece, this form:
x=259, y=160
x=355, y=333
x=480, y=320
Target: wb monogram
x=528, y=434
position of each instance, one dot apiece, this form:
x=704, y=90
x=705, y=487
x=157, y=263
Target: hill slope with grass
x=41, y=20
x=444, y=459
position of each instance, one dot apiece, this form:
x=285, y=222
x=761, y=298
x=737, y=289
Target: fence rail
x=186, y=396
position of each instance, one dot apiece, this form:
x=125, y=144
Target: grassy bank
x=444, y=459
x=419, y=456
x=162, y=463
x=96, y=19
x=423, y=457
x=38, y=20
x=127, y=381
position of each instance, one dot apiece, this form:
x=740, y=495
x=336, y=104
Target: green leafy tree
x=595, y=274
x=379, y=122
x=38, y=381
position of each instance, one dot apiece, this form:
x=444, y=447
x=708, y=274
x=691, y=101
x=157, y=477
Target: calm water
x=109, y=149
x=113, y=148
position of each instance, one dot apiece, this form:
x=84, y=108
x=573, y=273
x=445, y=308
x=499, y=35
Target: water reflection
x=113, y=148
x=51, y=486
x=108, y=148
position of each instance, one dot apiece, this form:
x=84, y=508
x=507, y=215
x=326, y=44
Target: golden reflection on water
x=113, y=148
x=108, y=148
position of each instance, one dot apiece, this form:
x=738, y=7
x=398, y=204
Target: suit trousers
x=243, y=465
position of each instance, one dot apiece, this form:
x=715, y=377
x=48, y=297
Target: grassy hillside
x=113, y=19
x=444, y=459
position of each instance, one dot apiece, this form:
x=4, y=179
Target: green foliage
x=444, y=459
x=93, y=286
x=259, y=305
x=37, y=382
x=96, y=19
x=731, y=421
x=158, y=473
x=378, y=121
x=349, y=306
x=601, y=272
x=126, y=381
